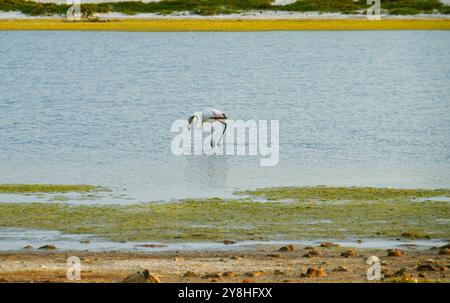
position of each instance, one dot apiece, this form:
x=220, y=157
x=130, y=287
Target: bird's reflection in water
x=209, y=170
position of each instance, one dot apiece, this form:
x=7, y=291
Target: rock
x=190, y=274
x=395, y=253
x=211, y=276
x=430, y=265
x=402, y=275
x=422, y=275
x=28, y=247
x=274, y=255
x=151, y=245
x=278, y=272
x=445, y=246
x=288, y=248
x=48, y=247
x=359, y=241
x=308, y=247
x=229, y=274
x=340, y=268
x=178, y=259
x=85, y=241
x=215, y=280
x=329, y=244
x=313, y=272
x=402, y=272
x=350, y=253
x=444, y=251
x=141, y=277
x=256, y=273
x=154, y=279
x=313, y=252
x=235, y=257
x=248, y=281
x=386, y=274
x=228, y=242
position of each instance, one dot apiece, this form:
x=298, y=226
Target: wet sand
x=187, y=25
x=256, y=264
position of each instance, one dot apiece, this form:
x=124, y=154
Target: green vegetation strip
x=215, y=7
x=310, y=213
x=46, y=188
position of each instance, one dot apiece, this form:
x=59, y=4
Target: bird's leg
x=212, y=134
x=224, y=129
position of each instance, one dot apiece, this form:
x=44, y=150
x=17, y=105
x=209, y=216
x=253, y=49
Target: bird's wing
x=217, y=114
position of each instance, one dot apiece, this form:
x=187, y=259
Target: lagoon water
x=355, y=108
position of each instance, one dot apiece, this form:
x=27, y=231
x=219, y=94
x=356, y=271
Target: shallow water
x=18, y=238
x=355, y=108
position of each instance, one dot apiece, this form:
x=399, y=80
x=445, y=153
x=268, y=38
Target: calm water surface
x=355, y=108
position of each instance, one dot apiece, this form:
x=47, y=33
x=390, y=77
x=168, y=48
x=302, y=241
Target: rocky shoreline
x=326, y=262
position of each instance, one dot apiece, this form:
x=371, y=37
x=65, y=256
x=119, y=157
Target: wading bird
x=210, y=115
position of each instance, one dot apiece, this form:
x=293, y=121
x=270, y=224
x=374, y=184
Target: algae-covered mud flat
x=274, y=214
x=183, y=25
x=45, y=188
x=268, y=235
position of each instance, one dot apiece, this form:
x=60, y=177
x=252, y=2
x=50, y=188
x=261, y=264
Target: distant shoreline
x=187, y=25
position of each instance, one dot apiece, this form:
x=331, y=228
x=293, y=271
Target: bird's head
x=196, y=117
x=191, y=120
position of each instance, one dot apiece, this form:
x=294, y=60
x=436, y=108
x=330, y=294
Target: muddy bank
x=321, y=263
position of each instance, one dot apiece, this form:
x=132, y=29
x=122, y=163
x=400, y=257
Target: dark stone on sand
x=340, y=268
x=48, y=247
x=314, y=272
x=228, y=242
x=151, y=245
x=229, y=274
x=329, y=244
x=190, y=274
x=211, y=276
x=254, y=274
x=430, y=265
x=350, y=253
x=141, y=277
x=444, y=251
x=288, y=248
x=395, y=253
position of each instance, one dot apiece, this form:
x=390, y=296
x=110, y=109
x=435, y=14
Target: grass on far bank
x=45, y=188
x=294, y=213
x=187, y=25
x=216, y=7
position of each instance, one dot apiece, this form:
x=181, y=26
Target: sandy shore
x=183, y=25
x=256, y=264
